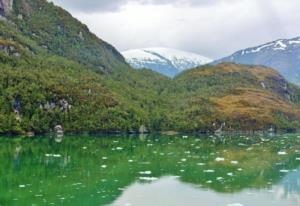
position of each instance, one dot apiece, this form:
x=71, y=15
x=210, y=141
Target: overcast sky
x=214, y=28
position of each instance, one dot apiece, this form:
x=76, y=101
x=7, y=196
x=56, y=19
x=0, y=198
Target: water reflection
x=170, y=191
x=137, y=170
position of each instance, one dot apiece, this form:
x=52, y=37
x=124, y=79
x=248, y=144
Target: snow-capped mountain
x=282, y=55
x=166, y=61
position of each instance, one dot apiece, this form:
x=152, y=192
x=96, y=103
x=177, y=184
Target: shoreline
x=162, y=133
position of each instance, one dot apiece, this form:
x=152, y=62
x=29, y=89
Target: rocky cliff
x=5, y=7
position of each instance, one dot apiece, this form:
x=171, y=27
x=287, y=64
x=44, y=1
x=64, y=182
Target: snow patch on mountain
x=282, y=55
x=167, y=61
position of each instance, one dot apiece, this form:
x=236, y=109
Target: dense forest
x=54, y=71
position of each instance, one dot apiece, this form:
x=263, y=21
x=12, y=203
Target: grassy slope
x=246, y=97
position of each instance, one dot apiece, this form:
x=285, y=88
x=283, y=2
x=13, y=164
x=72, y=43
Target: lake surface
x=152, y=170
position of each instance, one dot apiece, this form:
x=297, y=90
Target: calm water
x=150, y=170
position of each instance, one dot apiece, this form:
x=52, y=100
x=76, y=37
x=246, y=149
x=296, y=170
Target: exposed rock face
x=9, y=49
x=143, y=129
x=59, y=130
x=6, y=7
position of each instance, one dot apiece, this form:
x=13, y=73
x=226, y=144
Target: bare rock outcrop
x=6, y=7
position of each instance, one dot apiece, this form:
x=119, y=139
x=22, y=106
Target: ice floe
x=209, y=171
x=235, y=204
x=220, y=159
x=146, y=173
x=148, y=178
x=282, y=153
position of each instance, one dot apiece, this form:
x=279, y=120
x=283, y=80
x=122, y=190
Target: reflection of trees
x=72, y=168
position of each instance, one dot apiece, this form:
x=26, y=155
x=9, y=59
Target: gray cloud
x=115, y=5
x=214, y=28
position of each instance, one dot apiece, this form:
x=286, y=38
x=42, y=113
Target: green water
x=150, y=171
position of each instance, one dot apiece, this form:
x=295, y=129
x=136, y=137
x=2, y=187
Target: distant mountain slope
x=282, y=55
x=166, y=61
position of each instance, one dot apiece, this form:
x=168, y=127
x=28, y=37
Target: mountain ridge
x=282, y=55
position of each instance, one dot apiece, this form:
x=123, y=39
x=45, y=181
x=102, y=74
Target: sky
x=213, y=28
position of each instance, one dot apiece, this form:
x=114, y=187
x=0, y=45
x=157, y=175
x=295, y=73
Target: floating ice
x=281, y=153
x=52, y=155
x=78, y=183
x=230, y=174
x=146, y=173
x=235, y=204
x=148, y=178
x=284, y=171
x=56, y=155
x=209, y=171
x=220, y=159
